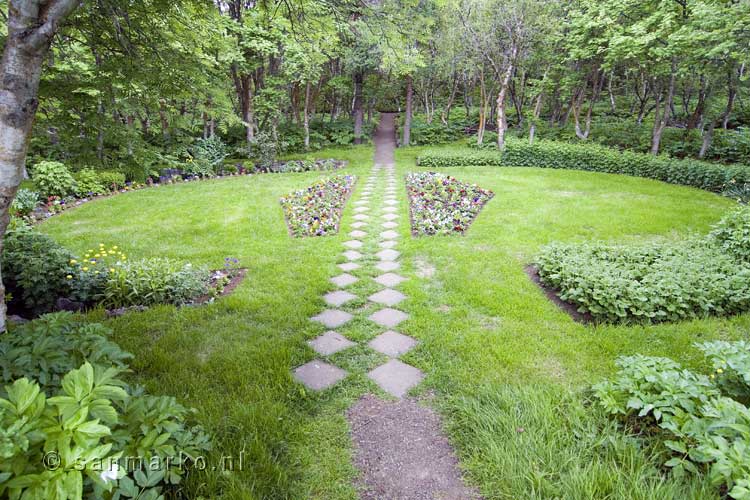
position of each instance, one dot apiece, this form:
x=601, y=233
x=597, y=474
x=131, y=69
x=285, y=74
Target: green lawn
x=507, y=368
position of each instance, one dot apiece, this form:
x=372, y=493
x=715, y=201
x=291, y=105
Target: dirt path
x=385, y=139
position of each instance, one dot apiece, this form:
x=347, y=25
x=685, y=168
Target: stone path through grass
x=399, y=447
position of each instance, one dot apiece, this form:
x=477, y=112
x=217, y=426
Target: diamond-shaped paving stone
x=390, y=209
x=388, y=244
x=362, y=209
x=389, y=224
x=343, y=280
x=353, y=244
x=388, y=254
x=359, y=224
x=390, y=279
x=358, y=234
x=387, y=297
x=349, y=266
x=332, y=318
x=387, y=266
x=388, y=317
x=352, y=255
x=338, y=298
x=389, y=235
x=317, y=375
x=366, y=193
x=390, y=202
x=332, y=342
x=396, y=378
x=390, y=216
x=361, y=202
x=361, y=217
x=392, y=343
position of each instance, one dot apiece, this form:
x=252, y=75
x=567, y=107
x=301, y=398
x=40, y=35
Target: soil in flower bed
x=316, y=210
x=553, y=295
x=441, y=204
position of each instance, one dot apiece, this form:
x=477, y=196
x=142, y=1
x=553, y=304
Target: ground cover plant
x=440, y=204
x=702, y=421
x=316, y=210
x=658, y=282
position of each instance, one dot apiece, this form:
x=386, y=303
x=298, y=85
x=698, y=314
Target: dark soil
x=235, y=278
x=533, y=273
x=402, y=453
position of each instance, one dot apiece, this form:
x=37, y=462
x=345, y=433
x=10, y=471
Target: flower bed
x=441, y=204
x=316, y=210
x=283, y=167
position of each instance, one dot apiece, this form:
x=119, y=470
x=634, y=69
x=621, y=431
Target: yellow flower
x=713, y=376
x=73, y=261
x=97, y=256
x=111, y=269
x=69, y=277
x=719, y=370
x=85, y=268
x=114, y=247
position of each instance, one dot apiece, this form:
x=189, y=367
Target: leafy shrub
x=101, y=434
x=701, y=428
x=441, y=204
x=595, y=158
x=739, y=192
x=316, y=211
x=90, y=276
x=423, y=133
x=88, y=183
x=35, y=269
x=647, y=283
x=52, y=178
x=211, y=150
x=731, y=362
x=198, y=168
x=24, y=203
x=111, y=180
x=154, y=281
x=263, y=150
x=732, y=233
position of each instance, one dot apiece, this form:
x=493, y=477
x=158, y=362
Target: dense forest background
x=132, y=86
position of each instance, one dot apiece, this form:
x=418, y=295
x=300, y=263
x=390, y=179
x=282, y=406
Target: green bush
x=594, y=158
x=88, y=183
x=52, y=178
x=666, y=282
x=732, y=233
x=731, y=363
x=211, y=150
x=105, y=438
x=111, y=180
x=24, y=203
x=35, y=269
x=702, y=430
x=154, y=281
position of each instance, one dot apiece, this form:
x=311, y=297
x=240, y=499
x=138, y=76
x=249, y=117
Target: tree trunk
x=708, y=136
x=409, y=108
x=445, y=115
x=31, y=27
x=163, y=118
x=697, y=116
x=482, y=108
x=357, y=111
x=731, y=96
x=307, y=116
x=502, y=121
x=661, y=123
x=612, y=104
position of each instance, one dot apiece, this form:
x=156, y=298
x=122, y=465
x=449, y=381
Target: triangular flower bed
x=316, y=210
x=441, y=204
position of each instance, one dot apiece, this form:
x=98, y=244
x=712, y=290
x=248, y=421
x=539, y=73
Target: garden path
x=400, y=449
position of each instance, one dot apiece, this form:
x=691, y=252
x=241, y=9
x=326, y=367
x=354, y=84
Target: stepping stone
x=362, y=202
x=388, y=244
x=390, y=202
x=389, y=224
x=390, y=280
x=332, y=342
x=317, y=375
x=338, y=298
x=333, y=318
x=392, y=343
x=387, y=266
x=388, y=254
x=362, y=209
x=366, y=193
x=361, y=217
x=389, y=235
x=396, y=378
x=358, y=234
x=388, y=317
x=358, y=224
x=352, y=255
x=390, y=209
x=387, y=297
x=353, y=244
x=343, y=280
x=390, y=216
x=349, y=266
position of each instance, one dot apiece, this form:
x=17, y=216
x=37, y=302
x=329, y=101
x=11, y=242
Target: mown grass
x=498, y=356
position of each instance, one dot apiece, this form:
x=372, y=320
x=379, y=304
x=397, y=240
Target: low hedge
x=594, y=158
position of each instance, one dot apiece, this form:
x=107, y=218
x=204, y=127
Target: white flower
x=111, y=473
